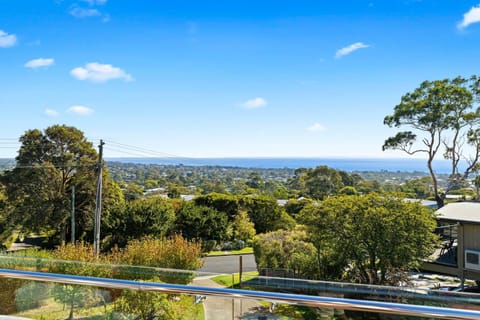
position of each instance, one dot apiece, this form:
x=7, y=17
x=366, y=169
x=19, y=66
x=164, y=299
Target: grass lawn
x=233, y=280
x=245, y=250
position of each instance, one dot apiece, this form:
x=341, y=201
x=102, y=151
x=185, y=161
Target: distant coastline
x=345, y=164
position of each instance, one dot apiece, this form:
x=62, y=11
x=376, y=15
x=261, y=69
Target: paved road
x=229, y=264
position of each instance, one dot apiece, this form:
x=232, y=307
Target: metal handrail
x=305, y=300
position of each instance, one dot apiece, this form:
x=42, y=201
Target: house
x=459, y=229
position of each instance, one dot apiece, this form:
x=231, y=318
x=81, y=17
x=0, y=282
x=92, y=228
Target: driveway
x=229, y=264
x=217, y=308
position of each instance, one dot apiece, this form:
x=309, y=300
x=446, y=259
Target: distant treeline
x=135, y=178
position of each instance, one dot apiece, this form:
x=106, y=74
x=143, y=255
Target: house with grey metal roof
x=459, y=229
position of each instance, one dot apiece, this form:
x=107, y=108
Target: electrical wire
x=110, y=145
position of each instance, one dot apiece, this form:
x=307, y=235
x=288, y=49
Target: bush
x=174, y=252
x=32, y=295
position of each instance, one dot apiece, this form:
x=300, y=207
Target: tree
x=444, y=115
x=289, y=250
x=294, y=206
x=476, y=183
x=321, y=182
x=266, y=214
x=418, y=188
x=372, y=238
x=224, y=203
x=243, y=228
x=201, y=223
x=136, y=219
x=255, y=181
x=348, y=190
x=48, y=165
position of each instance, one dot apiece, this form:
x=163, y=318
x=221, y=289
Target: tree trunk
x=440, y=198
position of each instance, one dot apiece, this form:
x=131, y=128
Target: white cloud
x=254, y=103
x=51, y=113
x=84, y=13
x=351, y=48
x=98, y=72
x=7, y=40
x=40, y=62
x=80, y=110
x=316, y=127
x=470, y=17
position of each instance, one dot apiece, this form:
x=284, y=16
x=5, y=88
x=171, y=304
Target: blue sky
x=226, y=78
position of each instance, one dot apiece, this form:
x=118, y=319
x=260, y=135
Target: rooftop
x=460, y=211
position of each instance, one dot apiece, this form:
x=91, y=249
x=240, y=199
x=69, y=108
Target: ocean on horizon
x=345, y=164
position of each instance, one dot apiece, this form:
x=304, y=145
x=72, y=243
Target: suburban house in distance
x=459, y=229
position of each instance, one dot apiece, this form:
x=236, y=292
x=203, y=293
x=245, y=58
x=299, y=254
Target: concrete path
x=230, y=309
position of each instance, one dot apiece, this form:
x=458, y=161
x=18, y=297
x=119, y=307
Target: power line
x=117, y=147
x=32, y=166
x=141, y=149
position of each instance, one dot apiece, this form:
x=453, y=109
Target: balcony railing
x=36, y=294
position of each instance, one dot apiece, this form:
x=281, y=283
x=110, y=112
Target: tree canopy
x=444, y=117
x=370, y=238
x=49, y=164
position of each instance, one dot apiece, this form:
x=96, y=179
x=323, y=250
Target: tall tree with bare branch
x=443, y=118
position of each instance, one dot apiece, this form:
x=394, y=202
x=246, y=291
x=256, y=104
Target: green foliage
x=467, y=193
x=265, y=214
x=348, y=190
x=286, y=250
x=78, y=259
x=322, y=181
x=418, y=188
x=202, y=223
x=175, y=252
x=293, y=206
x=371, y=238
x=225, y=203
x=32, y=295
x=154, y=305
x=48, y=165
x=153, y=216
x=132, y=191
x=173, y=191
x=368, y=186
x=243, y=228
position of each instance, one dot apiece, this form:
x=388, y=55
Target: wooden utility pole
x=98, y=206
x=73, y=215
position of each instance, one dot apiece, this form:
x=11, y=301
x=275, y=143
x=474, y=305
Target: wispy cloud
x=470, y=17
x=39, y=63
x=84, y=13
x=95, y=2
x=98, y=72
x=351, y=48
x=316, y=127
x=254, y=103
x=7, y=40
x=51, y=113
x=80, y=110
x=106, y=18
x=89, y=8
x=34, y=43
